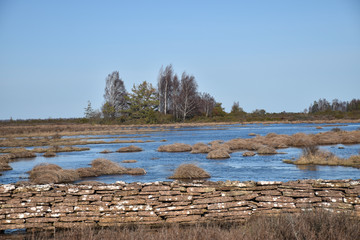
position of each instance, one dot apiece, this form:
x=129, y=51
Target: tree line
x=174, y=97
x=177, y=98
x=323, y=105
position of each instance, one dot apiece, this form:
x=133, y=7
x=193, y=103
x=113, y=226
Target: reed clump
x=266, y=150
x=103, y=166
x=105, y=151
x=176, y=147
x=49, y=154
x=52, y=173
x=130, y=148
x=129, y=161
x=218, y=154
x=189, y=171
x=312, y=155
x=200, y=148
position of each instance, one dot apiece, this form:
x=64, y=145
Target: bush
x=189, y=171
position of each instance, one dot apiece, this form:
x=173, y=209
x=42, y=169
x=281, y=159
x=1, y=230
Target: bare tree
x=188, y=96
x=206, y=104
x=165, y=82
x=115, y=93
x=175, y=99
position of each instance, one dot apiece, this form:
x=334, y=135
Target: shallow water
x=160, y=165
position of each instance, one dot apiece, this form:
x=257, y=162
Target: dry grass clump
x=51, y=173
x=130, y=148
x=176, y=147
x=129, y=161
x=105, y=151
x=200, y=148
x=189, y=171
x=218, y=154
x=68, y=149
x=103, y=166
x=248, y=154
x=49, y=154
x=314, y=156
x=4, y=163
x=266, y=150
x=135, y=171
x=237, y=144
x=318, y=224
x=301, y=140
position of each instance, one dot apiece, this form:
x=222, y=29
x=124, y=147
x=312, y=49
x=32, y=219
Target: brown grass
x=49, y=154
x=317, y=225
x=248, y=154
x=176, y=147
x=103, y=166
x=218, y=154
x=314, y=156
x=200, y=148
x=51, y=173
x=189, y=171
x=130, y=148
x=266, y=150
x=105, y=151
x=129, y=161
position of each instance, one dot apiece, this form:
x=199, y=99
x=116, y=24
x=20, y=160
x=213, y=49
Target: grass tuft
x=189, y=171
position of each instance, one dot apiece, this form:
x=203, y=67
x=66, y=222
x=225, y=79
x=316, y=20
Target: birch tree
x=188, y=96
x=115, y=94
x=165, y=84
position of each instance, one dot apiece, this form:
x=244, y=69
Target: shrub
x=189, y=171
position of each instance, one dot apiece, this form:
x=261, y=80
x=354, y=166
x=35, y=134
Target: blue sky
x=272, y=55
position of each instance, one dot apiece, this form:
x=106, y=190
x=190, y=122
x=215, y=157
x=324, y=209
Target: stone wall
x=64, y=205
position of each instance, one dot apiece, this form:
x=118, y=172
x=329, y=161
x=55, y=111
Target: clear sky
x=273, y=55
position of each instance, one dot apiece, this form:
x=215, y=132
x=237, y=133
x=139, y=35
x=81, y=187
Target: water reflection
x=307, y=167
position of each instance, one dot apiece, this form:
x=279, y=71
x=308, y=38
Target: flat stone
x=190, y=218
x=329, y=193
x=274, y=199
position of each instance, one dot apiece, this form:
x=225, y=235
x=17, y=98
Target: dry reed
x=189, y=171
x=176, y=147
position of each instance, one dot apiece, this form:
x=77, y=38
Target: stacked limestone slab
x=64, y=205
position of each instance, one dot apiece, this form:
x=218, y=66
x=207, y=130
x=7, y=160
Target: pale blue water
x=160, y=165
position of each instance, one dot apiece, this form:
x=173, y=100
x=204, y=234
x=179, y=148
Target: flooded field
x=160, y=165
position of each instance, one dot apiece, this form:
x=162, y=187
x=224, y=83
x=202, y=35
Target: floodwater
x=160, y=165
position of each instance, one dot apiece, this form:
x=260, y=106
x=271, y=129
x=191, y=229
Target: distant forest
x=177, y=98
